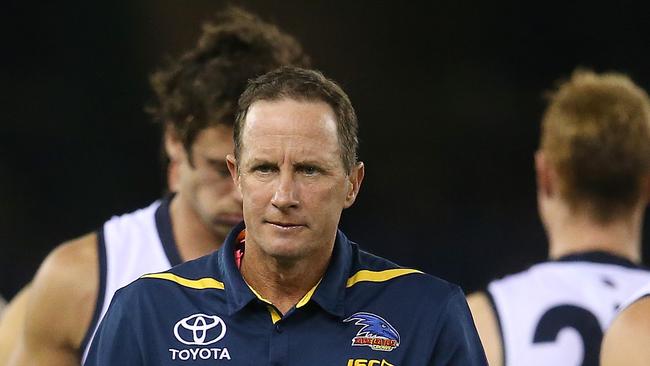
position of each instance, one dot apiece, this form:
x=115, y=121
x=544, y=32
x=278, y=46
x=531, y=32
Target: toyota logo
x=199, y=329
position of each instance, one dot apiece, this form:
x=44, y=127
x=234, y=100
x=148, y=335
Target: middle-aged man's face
x=292, y=179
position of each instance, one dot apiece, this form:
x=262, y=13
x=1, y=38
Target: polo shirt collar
x=329, y=293
x=238, y=293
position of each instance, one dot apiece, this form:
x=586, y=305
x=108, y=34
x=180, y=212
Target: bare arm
x=60, y=306
x=626, y=341
x=11, y=323
x=487, y=326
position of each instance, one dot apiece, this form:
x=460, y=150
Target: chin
x=221, y=229
x=285, y=253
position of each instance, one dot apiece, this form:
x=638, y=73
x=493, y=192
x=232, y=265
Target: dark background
x=449, y=97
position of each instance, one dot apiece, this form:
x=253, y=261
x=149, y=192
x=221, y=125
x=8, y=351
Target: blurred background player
x=196, y=103
x=592, y=189
x=627, y=339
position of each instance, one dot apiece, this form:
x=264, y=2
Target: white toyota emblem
x=199, y=329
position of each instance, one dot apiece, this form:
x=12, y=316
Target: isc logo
x=362, y=362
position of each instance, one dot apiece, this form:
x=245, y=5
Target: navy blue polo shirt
x=365, y=311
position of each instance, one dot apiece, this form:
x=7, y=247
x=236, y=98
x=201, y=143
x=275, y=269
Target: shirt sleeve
x=457, y=343
x=116, y=341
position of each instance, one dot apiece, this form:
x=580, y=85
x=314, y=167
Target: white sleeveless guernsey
x=555, y=312
x=643, y=292
x=129, y=246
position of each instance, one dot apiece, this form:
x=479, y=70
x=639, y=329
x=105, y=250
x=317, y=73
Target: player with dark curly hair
x=196, y=104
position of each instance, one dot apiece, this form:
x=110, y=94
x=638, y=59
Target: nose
x=286, y=195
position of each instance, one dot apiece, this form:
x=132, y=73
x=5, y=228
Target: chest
x=306, y=336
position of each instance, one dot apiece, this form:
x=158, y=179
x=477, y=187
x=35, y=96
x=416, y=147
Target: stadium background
x=449, y=96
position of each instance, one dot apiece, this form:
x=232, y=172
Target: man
x=287, y=287
x=627, y=339
x=197, y=96
x=593, y=171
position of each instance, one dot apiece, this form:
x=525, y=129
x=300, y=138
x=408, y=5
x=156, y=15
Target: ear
x=234, y=172
x=354, y=183
x=174, y=151
x=544, y=174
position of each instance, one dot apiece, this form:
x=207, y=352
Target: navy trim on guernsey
x=164, y=227
x=498, y=318
x=600, y=257
x=364, y=311
x=101, y=254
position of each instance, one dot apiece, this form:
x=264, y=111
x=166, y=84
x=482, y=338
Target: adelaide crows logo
x=375, y=332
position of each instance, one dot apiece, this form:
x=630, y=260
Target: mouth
x=285, y=225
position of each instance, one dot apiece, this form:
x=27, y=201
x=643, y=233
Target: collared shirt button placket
x=279, y=345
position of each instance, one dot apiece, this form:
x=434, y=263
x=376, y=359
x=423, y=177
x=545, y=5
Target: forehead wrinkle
x=259, y=128
x=296, y=154
x=305, y=144
x=297, y=130
x=264, y=114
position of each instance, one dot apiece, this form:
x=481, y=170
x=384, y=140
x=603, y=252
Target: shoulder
x=626, y=341
x=487, y=324
x=636, y=317
x=482, y=309
x=207, y=266
x=200, y=273
x=436, y=310
x=373, y=273
x=636, y=296
x=529, y=281
x=72, y=267
x=71, y=258
x=64, y=292
x=548, y=281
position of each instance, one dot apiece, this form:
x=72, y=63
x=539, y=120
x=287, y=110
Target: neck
x=282, y=282
x=578, y=232
x=193, y=237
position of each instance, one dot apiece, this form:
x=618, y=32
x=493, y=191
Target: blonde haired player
x=593, y=185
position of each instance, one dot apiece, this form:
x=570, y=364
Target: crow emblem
x=375, y=332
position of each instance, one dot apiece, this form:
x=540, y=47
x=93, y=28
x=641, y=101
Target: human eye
x=263, y=168
x=219, y=166
x=309, y=170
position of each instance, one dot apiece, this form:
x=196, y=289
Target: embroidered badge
x=375, y=332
